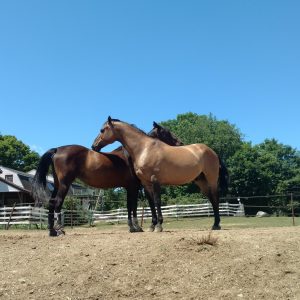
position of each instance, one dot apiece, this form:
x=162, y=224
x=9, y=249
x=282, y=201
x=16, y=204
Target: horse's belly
x=107, y=179
x=169, y=176
x=173, y=179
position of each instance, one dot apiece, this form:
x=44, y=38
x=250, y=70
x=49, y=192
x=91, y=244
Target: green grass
x=206, y=223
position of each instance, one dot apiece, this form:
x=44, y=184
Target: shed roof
x=14, y=185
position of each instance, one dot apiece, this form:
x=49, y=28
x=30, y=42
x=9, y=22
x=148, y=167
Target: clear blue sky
x=66, y=65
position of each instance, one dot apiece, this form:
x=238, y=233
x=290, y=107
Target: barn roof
x=14, y=185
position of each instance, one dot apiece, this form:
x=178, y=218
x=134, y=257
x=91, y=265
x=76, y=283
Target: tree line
x=268, y=168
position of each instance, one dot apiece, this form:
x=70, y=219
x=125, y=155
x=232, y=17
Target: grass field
x=206, y=223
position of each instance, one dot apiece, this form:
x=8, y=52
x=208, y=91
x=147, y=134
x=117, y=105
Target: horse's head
x=164, y=135
x=106, y=136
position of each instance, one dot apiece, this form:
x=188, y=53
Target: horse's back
x=190, y=154
x=97, y=169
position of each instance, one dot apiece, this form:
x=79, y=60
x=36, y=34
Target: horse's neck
x=132, y=139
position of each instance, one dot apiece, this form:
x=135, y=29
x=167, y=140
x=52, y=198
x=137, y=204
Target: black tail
x=223, y=178
x=38, y=191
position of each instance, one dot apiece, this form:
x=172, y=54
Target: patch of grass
x=206, y=223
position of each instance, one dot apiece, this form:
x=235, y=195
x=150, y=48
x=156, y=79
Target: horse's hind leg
x=215, y=204
x=150, y=197
x=55, y=205
x=52, y=231
x=129, y=209
x=211, y=191
x=52, y=203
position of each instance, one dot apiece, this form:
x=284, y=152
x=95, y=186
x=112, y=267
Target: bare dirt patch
x=108, y=264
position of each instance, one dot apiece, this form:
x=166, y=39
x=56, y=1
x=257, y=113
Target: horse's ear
x=109, y=121
x=155, y=125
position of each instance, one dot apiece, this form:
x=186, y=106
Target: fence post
x=142, y=217
x=90, y=217
x=4, y=215
x=119, y=215
x=242, y=210
x=292, y=206
x=11, y=213
x=40, y=211
x=72, y=212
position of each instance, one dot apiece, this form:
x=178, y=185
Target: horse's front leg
x=157, y=201
x=132, y=195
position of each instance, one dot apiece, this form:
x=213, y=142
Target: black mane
x=133, y=125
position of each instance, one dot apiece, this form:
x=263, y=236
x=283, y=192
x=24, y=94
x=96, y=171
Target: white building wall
x=16, y=179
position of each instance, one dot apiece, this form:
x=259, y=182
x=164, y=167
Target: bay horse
x=157, y=163
x=100, y=170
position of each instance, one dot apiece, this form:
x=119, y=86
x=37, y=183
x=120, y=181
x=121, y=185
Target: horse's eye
x=102, y=130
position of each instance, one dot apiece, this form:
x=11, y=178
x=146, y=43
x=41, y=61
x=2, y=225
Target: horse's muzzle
x=95, y=148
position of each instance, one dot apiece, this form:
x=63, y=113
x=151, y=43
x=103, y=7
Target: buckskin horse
x=100, y=170
x=156, y=163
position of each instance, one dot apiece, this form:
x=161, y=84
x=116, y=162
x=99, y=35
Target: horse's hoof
x=135, y=229
x=61, y=232
x=53, y=232
x=139, y=229
x=151, y=228
x=131, y=229
x=216, y=227
x=56, y=232
x=158, y=228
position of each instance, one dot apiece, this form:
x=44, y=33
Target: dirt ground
x=114, y=264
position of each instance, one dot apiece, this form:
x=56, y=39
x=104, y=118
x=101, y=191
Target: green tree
x=265, y=169
x=114, y=198
x=284, y=166
x=16, y=155
x=247, y=175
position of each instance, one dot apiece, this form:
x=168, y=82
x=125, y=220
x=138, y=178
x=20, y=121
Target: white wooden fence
x=27, y=215
x=22, y=215
x=173, y=211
